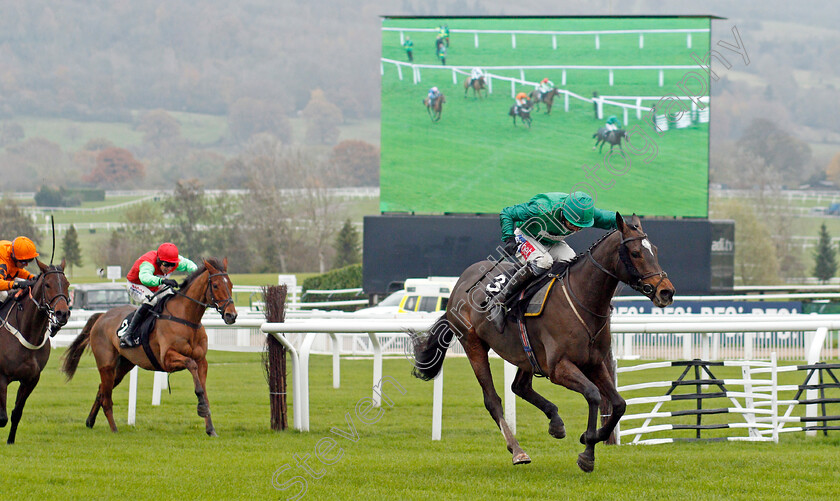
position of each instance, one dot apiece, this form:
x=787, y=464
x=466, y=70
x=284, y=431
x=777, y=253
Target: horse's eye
x=636, y=254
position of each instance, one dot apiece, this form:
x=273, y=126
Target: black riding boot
x=127, y=340
x=498, y=310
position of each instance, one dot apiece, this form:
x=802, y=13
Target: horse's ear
x=619, y=222
x=636, y=221
x=224, y=263
x=41, y=265
x=63, y=263
x=209, y=266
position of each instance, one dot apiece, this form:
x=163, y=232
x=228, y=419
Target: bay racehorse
x=24, y=343
x=570, y=341
x=476, y=85
x=177, y=342
x=523, y=112
x=614, y=137
x=547, y=98
x=435, y=108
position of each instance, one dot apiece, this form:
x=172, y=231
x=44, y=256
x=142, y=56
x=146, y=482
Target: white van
x=418, y=295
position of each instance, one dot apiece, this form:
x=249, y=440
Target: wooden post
x=274, y=358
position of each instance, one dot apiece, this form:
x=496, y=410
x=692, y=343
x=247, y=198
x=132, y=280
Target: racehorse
x=177, y=342
x=570, y=341
x=477, y=86
x=613, y=137
x=547, y=98
x=24, y=346
x=434, y=109
x=523, y=112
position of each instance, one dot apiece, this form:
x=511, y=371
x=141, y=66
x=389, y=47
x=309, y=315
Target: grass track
x=57, y=457
x=475, y=160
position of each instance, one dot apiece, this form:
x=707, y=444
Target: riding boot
x=127, y=340
x=498, y=310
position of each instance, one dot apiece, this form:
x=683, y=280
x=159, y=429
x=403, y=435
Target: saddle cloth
x=536, y=304
x=144, y=329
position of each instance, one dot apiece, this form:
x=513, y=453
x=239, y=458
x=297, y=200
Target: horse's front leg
x=174, y=361
x=4, y=384
x=603, y=379
x=522, y=386
x=567, y=374
x=23, y=393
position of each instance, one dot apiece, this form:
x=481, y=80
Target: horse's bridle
x=214, y=302
x=636, y=278
x=48, y=306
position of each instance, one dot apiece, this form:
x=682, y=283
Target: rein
x=44, y=307
x=214, y=302
x=637, y=284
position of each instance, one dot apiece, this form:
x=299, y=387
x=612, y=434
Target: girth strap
x=529, y=352
x=179, y=320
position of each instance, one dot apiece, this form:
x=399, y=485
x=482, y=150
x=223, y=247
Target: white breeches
x=537, y=255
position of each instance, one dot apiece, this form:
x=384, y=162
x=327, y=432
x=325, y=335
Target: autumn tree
x=70, y=245
x=249, y=116
x=832, y=171
x=322, y=119
x=186, y=212
x=115, y=167
x=756, y=261
x=159, y=128
x=356, y=162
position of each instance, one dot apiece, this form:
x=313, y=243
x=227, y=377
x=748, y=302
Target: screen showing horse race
x=482, y=113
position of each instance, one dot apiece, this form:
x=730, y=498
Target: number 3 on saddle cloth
x=142, y=330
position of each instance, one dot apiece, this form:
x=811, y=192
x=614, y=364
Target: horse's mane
x=581, y=255
x=201, y=269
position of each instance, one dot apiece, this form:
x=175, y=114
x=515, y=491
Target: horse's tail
x=430, y=350
x=77, y=348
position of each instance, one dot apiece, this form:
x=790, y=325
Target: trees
x=756, y=261
x=70, y=245
x=15, y=223
x=322, y=118
x=115, y=167
x=825, y=257
x=346, y=246
x=248, y=117
x=357, y=162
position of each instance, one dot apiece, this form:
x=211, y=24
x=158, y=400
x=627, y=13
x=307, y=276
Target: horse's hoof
x=212, y=432
x=89, y=424
x=557, y=432
x=203, y=411
x=585, y=463
x=521, y=458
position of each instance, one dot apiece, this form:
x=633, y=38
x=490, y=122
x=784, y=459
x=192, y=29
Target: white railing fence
x=596, y=34
x=300, y=336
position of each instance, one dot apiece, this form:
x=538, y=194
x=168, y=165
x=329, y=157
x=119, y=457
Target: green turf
x=167, y=455
x=475, y=160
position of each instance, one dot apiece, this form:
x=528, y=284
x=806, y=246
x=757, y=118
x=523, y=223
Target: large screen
x=473, y=156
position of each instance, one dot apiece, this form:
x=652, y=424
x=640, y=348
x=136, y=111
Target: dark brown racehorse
x=178, y=340
x=24, y=343
x=571, y=340
x=477, y=86
x=523, y=112
x=547, y=98
x=603, y=136
x=435, y=108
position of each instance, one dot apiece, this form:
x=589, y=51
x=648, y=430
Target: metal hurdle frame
x=756, y=394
